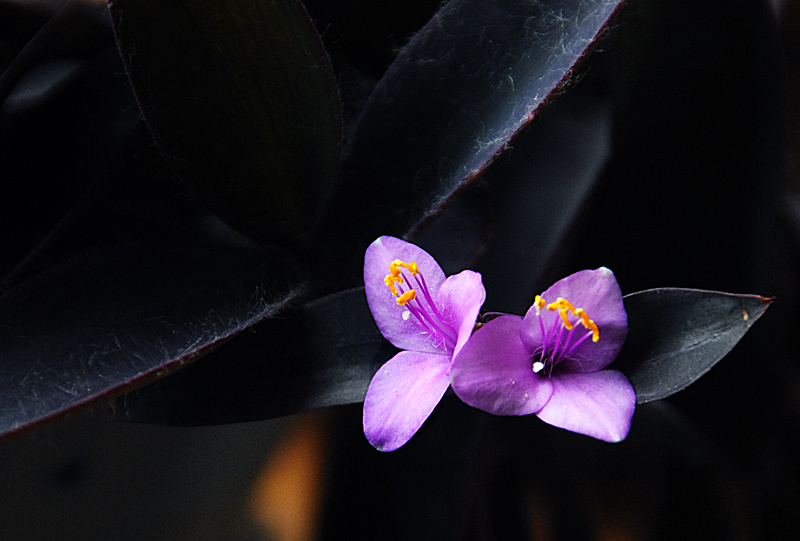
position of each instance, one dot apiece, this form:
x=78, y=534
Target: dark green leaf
x=241, y=100
x=115, y=319
x=677, y=335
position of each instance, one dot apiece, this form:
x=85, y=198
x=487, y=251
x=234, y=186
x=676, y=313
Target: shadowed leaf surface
x=241, y=100
x=324, y=354
x=453, y=98
x=677, y=335
x=111, y=320
x=542, y=189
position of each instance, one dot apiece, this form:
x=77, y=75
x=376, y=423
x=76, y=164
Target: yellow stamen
x=539, y=302
x=561, y=304
x=567, y=323
x=390, y=280
x=405, y=297
x=588, y=323
x=564, y=306
x=397, y=263
x=395, y=276
x=592, y=326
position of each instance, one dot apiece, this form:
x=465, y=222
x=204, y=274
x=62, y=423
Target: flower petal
x=402, y=333
x=494, y=371
x=597, y=292
x=598, y=404
x=461, y=298
x=401, y=395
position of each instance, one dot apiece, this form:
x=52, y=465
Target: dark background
x=670, y=155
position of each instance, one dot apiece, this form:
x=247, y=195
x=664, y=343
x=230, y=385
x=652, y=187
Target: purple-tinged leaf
x=453, y=98
x=542, y=184
x=460, y=234
x=241, y=100
x=115, y=319
x=552, y=167
x=677, y=335
x=324, y=354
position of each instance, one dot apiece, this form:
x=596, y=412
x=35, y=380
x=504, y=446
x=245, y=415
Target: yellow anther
x=588, y=323
x=564, y=306
x=592, y=326
x=397, y=263
x=561, y=304
x=567, y=323
x=390, y=280
x=405, y=297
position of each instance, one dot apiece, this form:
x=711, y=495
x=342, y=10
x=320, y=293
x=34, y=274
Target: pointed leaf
x=111, y=320
x=677, y=335
x=526, y=202
x=241, y=100
x=453, y=98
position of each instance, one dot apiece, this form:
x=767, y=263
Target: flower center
x=559, y=343
x=407, y=283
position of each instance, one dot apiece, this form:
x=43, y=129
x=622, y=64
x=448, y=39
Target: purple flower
x=553, y=361
x=429, y=317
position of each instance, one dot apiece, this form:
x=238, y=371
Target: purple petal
x=461, y=298
x=494, y=371
x=401, y=395
x=402, y=333
x=599, y=404
x=597, y=292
